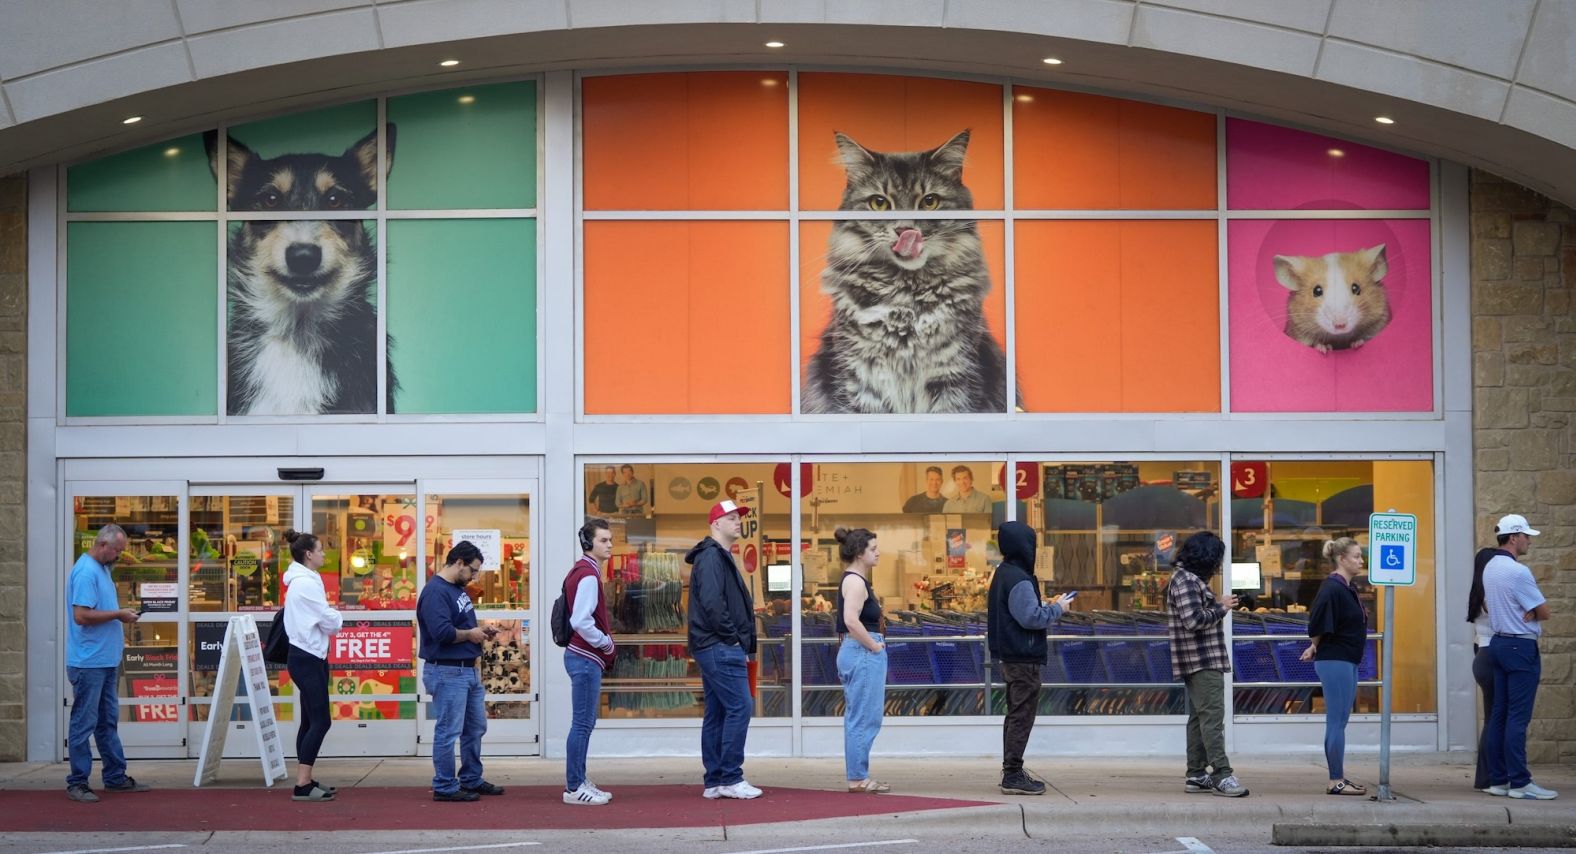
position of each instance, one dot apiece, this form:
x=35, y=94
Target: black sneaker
x=1196, y=785
x=1019, y=783
x=461, y=796
x=81, y=794
x=483, y=788
x=129, y=784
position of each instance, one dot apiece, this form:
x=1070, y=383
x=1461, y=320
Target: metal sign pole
x=1392, y=543
x=1388, y=645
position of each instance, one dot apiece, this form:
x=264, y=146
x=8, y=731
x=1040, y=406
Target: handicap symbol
x=1392, y=557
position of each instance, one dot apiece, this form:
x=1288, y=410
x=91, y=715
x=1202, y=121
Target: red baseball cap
x=724, y=507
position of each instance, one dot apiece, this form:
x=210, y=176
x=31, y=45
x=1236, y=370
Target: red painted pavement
x=522, y=808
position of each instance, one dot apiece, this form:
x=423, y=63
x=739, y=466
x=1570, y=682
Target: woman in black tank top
x=861, y=659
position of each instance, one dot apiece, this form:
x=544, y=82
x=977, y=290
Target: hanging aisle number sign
x=1392, y=548
x=241, y=657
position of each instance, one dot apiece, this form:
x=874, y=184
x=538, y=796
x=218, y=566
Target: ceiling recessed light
x=1384, y=120
x=768, y=81
x=467, y=99
x=172, y=152
x=131, y=120
x=774, y=44
x=1051, y=60
x=449, y=63
x=1336, y=152
x=1025, y=98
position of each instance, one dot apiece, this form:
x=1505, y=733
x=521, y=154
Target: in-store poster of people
x=620, y=489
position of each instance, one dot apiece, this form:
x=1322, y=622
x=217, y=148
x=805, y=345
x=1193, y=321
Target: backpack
x=559, y=621
x=277, y=647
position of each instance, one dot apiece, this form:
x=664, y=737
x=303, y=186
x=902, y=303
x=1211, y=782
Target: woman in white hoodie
x=309, y=622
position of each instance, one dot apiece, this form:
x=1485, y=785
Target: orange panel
x=890, y=114
x=1087, y=152
x=1118, y=316
x=686, y=317
x=696, y=141
x=815, y=307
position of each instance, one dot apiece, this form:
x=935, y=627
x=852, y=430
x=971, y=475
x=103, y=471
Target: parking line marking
x=832, y=847
x=105, y=850
x=1194, y=845
x=458, y=848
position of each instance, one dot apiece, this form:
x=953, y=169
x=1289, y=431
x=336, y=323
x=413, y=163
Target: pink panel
x=1272, y=372
x=1276, y=168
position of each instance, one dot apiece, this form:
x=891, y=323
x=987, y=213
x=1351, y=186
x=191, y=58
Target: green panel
x=169, y=176
x=462, y=311
x=327, y=131
x=141, y=309
x=473, y=147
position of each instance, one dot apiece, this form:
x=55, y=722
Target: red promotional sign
x=782, y=478
x=1249, y=480
x=161, y=687
x=752, y=557
x=372, y=647
x=1028, y=480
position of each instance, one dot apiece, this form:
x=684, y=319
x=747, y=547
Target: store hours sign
x=1392, y=548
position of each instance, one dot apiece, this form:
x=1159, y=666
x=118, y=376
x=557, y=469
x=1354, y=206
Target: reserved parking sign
x=1392, y=548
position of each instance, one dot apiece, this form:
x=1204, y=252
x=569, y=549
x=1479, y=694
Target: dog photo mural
x=302, y=292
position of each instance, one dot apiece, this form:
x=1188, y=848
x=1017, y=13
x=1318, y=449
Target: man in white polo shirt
x=1516, y=611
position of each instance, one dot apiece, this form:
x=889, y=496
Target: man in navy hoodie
x=450, y=645
x=1016, y=622
x=721, y=639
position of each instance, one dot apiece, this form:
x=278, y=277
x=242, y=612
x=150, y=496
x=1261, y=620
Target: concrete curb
x=1431, y=835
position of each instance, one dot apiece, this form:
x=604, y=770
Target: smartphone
x=489, y=631
x=1071, y=594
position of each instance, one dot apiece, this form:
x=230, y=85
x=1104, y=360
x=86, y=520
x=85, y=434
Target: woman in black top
x=1338, y=629
x=861, y=659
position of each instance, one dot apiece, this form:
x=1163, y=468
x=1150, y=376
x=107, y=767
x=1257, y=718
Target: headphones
x=587, y=536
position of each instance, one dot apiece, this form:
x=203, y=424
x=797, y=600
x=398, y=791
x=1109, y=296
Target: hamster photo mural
x=1338, y=300
x=907, y=331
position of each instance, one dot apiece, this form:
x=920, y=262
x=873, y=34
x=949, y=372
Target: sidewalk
x=1122, y=794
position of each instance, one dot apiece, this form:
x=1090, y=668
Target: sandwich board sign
x=240, y=657
x=1392, y=548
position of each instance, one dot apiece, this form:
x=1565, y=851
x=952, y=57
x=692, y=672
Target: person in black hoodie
x=1016, y=622
x=721, y=639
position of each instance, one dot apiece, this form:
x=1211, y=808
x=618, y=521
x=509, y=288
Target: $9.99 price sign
x=399, y=526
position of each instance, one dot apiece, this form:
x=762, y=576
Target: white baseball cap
x=1514, y=524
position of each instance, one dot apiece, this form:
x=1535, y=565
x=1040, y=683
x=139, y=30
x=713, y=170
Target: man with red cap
x=721, y=640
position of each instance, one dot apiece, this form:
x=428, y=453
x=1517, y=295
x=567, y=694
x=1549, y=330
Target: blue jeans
x=1339, y=679
x=585, y=679
x=863, y=674
x=725, y=681
x=457, y=704
x=1517, y=669
x=95, y=713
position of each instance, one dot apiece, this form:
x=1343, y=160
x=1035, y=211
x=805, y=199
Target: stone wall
x=1524, y=415
x=13, y=466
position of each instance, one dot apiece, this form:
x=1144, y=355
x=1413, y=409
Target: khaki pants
x=1206, y=724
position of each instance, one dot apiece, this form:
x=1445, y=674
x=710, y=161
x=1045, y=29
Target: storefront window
x=647, y=581
x=369, y=550
x=1109, y=530
x=369, y=659
x=1283, y=512
x=935, y=524
x=206, y=646
x=149, y=670
x=238, y=552
x=500, y=525
x=147, y=575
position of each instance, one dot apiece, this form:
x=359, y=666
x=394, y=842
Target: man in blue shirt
x=94, y=640
x=450, y=645
x=1516, y=612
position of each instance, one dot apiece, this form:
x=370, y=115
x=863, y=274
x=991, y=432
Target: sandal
x=1346, y=787
x=870, y=786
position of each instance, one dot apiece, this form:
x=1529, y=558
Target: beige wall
x=13, y=465
x=1524, y=434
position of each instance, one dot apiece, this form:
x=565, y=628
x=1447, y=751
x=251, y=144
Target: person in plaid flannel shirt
x=1199, y=659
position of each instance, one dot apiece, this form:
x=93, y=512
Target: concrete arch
x=1491, y=85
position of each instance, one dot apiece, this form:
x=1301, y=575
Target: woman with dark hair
x=1482, y=659
x=1338, y=634
x=862, y=658
x=1199, y=659
x=309, y=622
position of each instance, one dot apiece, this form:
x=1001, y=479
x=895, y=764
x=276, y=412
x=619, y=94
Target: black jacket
x=1009, y=641
x=720, y=607
x=1337, y=616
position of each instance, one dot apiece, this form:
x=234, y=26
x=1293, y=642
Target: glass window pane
x=321, y=160
x=174, y=175
x=647, y=582
x=369, y=659
x=506, y=669
x=1277, y=168
x=473, y=147
x=505, y=519
x=369, y=550
x=1283, y=512
x=147, y=575
x=462, y=311
x=149, y=670
x=206, y=639
x=935, y=526
x=238, y=551
x=303, y=318
x=140, y=307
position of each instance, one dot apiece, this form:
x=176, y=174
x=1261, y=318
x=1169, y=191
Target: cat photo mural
x=907, y=331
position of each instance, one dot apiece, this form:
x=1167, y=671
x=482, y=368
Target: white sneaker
x=1497, y=791
x=711, y=793
x=593, y=787
x=1533, y=791
x=741, y=790
x=586, y=796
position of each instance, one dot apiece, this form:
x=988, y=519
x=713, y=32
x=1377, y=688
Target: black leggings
x=1483, y=672
x=310, y=675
